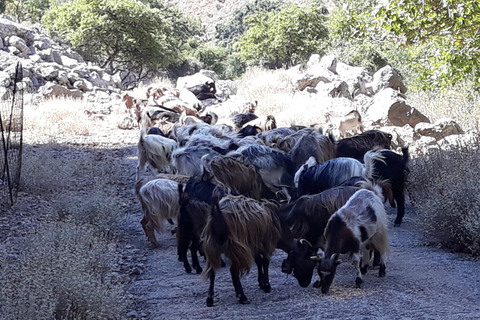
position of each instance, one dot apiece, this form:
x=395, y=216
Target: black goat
x=384, y=164
x=356, y=146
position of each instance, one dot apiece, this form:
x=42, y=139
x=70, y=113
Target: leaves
x=283, y=38
x=123, y=34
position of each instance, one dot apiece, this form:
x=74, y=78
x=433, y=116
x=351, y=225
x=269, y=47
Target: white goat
x=160, y=202
x=154, y=150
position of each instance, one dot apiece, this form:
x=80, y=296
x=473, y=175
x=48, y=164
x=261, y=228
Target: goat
x=188, y=160
x=239, y=176
x=159, y=201
x=329, y=174
x=155, y=150
x=195, y=199
x=274, y=166
x=356, y=228
x=307, y=219
x=320, y=147
x=265, y=123
x=272, y=137
x=244, y=230
x=249, y=130
x=351, y=121
x=356, y=146
x=384, y=164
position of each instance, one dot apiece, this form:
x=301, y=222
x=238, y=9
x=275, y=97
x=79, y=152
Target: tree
x=283, y=38
x=226, y=33
x=447, y=31
x=122, y=35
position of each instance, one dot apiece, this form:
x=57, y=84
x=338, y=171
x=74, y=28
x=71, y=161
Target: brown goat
x=244, y=230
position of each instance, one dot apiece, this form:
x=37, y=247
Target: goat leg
x=262, y=266
x=211, y=289
x=238, y=285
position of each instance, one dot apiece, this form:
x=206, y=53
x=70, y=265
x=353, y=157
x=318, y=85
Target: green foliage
x=283, y=38
x=226, y=33
x=447, y=31
x=122, y=34
x=355, y=37
x=212, y=58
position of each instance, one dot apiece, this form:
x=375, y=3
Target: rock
x=387, y=77
x=439, y=130
x=391, y=108
x=53, y=90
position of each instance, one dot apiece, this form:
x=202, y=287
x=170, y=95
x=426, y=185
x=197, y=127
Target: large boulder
x=438, y=130
x=391, y=109
x=387, y=77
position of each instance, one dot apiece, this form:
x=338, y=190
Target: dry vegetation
x=59, y=253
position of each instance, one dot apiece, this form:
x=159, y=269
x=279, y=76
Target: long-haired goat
x=356, y=146
x=332, y=173
x=320, y=147
x=154, y=150
x=195, y=200
x=384, y=164
x=274, y=166
x=358, y=227
x=239, y=176
x=244, y=230
x=160, y=203
x=307, y=219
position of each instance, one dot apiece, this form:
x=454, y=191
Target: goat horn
x=303, y=241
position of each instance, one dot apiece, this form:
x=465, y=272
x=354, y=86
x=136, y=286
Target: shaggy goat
x=329, y=174
x=195, y=199
x=239, y=176
x=358, y=227
x=244, y=230
x=356, y=146
x=154, y=150
x=274, y=166
x=160, y=203
x=384, y=164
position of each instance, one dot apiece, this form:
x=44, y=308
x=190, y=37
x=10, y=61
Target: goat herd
x=238, y=187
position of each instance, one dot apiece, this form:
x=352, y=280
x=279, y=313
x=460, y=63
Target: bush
x=448, y=206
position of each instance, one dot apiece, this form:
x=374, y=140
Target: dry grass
x=460, y=103
x=61, y=261
x=444, y=188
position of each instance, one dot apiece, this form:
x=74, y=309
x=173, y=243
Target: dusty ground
x=422, y=282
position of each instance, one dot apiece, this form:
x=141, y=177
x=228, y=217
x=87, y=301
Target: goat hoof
x=364, y=270
x=317, y=284
x=209, y=302
x=382, y=272
x=199, y=270
x=244, y=300
x=397, y=223
x=188, y=270
x=266, y=287
x=359, y=282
